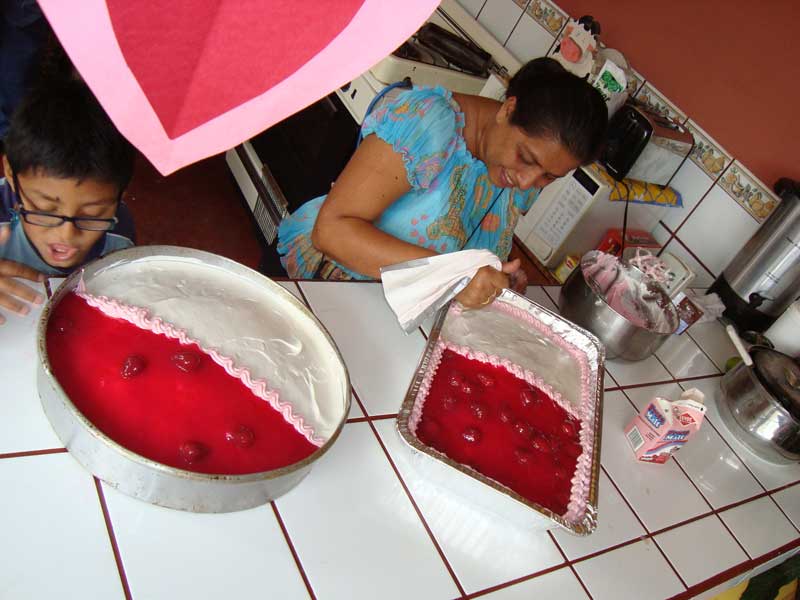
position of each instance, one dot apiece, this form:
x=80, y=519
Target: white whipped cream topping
x=496, y=333
x=257, y=326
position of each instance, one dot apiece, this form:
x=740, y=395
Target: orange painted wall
x=732, y=66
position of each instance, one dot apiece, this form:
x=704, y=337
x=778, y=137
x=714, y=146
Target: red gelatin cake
x=195, y=370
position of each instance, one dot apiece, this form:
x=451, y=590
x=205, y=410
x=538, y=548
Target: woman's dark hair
x=60, y=129
x=551, y=102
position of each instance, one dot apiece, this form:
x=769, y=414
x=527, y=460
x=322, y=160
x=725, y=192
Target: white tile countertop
x=363, y=524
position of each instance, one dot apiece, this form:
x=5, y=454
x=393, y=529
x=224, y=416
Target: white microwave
x=572, y=214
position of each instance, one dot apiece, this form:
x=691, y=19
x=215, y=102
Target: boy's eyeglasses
x=45, y=219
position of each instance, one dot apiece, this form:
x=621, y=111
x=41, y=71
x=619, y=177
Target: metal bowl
x=766, y=424
x=149, y=480
x=582, y=304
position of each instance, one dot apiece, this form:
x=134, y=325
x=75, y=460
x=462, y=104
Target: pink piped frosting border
x=581, y=480
x=141, y=318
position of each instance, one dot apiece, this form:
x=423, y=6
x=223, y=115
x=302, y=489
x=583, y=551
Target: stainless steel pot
x=582, y=305
x=760, y=405
x=146, y=479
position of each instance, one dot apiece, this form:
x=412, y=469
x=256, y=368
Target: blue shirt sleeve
x=423, y=126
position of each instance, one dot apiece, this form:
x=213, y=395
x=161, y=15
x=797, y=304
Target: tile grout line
x=513, y=582
x=649, y=534
x=112, y=538
x=735, y=539
x=700, y=201
x=293, y=550
x=421, y=517
x=568, y=562
x=736, y=454
x=652, y=535
x=719, y=371
x=33, y=453
x=694, y=256
x=780, y=508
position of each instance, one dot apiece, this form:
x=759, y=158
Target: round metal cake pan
x=149, y=480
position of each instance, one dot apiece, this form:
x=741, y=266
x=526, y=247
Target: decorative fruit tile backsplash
x=521, y=3
x=659, y=103
x=547, y=15
x=707, y=154
x=748, y=191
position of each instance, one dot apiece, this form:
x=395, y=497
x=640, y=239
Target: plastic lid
x=780, y=374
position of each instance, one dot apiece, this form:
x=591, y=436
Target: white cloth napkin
x=419, y=287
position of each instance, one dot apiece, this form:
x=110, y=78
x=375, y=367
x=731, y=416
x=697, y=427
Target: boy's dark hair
x=60, y=129
x=553, y=102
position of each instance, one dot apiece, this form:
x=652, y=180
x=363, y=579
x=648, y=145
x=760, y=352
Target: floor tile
x=355, y=529
x=380, y=357
x=561, y=584
x=713, y=339
x=707, y=459
x=768, y=474
x=789, y=501
x=470, y=537
x=615, y=524
x=759, y=526
x=701, y=549
x=23, y=424
x=648, y=370
x=538, y=295
x=660, y=494
x=196, y=549
x=55, y=542
x=683, y=358
x=610, y=576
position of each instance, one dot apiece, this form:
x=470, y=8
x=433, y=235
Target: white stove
x=431, y=68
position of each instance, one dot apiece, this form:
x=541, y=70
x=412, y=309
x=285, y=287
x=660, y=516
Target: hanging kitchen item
x=760, y=405
x=577, y=50
x=185, y=80
x=763, y=279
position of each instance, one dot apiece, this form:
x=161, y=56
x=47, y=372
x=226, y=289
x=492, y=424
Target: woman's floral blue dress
x=452, y=204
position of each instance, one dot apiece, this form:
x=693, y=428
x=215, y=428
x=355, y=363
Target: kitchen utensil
x=155, y=482
x=534, y=339
x=763, y=279
x=582, y=304
x=760, y=405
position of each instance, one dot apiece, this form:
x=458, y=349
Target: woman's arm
x=375, y=178
x=372, y=181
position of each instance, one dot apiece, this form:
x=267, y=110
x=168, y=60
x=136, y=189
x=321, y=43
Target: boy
x=66, y=167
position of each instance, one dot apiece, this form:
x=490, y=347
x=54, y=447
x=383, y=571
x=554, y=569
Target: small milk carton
x=663, y=427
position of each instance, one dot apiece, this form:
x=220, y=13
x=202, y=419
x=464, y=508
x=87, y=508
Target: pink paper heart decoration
x=187, y=79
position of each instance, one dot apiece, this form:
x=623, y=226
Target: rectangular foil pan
x=536, y=351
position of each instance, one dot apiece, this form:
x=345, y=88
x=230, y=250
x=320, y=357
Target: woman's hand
x=487, y=284
x=14, y=295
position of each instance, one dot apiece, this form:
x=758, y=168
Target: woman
x=440, y=172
